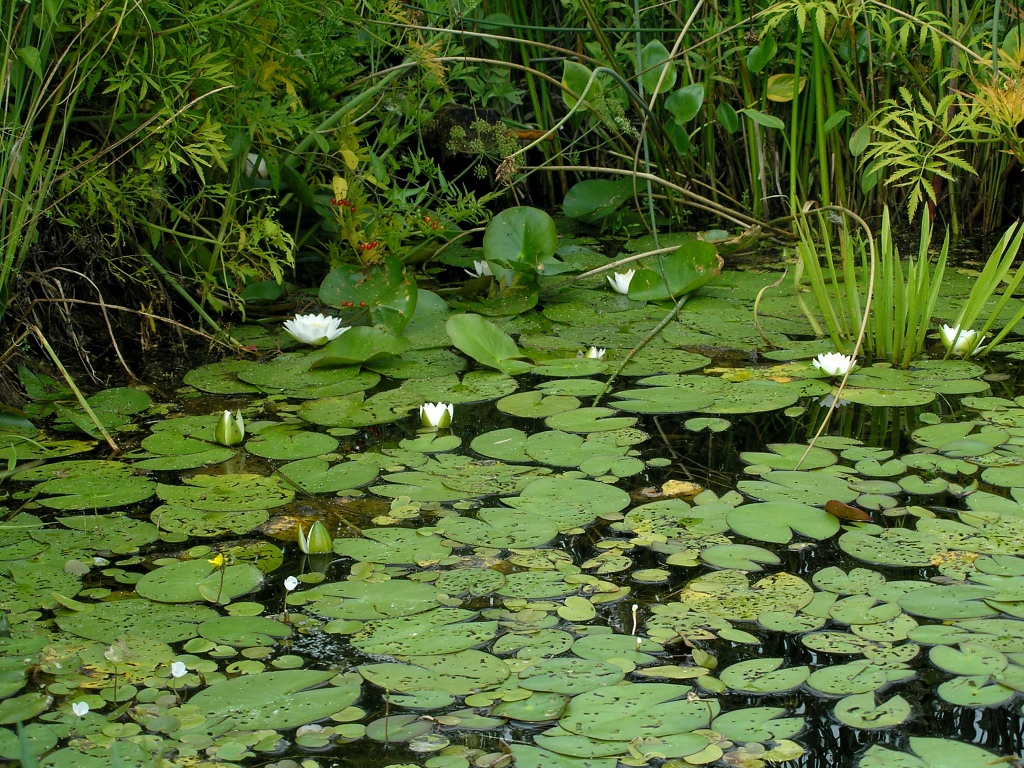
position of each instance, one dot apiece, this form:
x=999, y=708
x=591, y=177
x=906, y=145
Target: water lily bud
x=833, y=363
x=595, y=353
x=317, y=542
x=620, y=281
x=178, y=669
x=437, y=415
x=291, y=582
x=960, y=342
x=230, y=429
x=315, y=329
x=80, y=708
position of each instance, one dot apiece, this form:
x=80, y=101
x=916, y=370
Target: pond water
x=654, y=579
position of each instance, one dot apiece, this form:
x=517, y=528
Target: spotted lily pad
x=276, y=700
x=624, y=712
x=227, y=493
x=141, y=619
x=766, y=675
x=862, y=711
x=500, y=528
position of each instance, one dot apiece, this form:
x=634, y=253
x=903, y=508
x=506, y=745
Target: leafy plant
x=852, y=286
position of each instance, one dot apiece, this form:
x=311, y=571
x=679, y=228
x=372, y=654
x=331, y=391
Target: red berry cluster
x=432, y=223
x=343, y=204
x=368, y=246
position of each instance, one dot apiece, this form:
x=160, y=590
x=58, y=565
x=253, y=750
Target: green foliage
x=902, y=294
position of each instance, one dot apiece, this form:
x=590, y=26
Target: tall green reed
x=837, y=265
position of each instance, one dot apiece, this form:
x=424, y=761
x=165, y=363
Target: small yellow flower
x=217, y=562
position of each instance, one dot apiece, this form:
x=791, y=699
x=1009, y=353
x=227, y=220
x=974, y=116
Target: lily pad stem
x=643, y=343
x=74, y=388
x=863, y=325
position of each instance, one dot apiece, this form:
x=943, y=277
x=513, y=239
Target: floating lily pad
x=277, y=700
x=227, y=493
x=777, y=521
x=290, y=445
x=571, y=676
x=500, y=528
x=458, y=673
x=757, y=724
x=862, y=711
x=765, y=675
x=625, y=712
x=194, y=580
x=393, y=545
x=315, y=475
x=440, y=631
x=140, y=619
x=221, y=378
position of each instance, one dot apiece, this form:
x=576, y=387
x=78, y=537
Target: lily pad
x=275, y=700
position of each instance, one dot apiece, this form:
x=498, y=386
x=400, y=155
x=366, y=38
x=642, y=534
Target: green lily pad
x=791, y=456
x=458, y=673
x=624, y=712
x=275, y=700
x=570, y=676
x=757, y=724
x=197, y=522
x=846, y=679
x=362, y=600
x=533, y=757
x=221, y=378
x=741, y=556
x=440, y=631
x=537, y=708
x=974, y=691
x=194, y=580
x=227, y=493
x=777, y=521
x=862, y=711
x=393, y=545
x=89, y=484
x=500, y=528
x=814, y=488
x=570, y=503
x=765, y=675
x=949, y=602
x=290, y=445
x=315, y=475
x=536, y=405
x=971, y=658
x=141, y=619
x=589, y=420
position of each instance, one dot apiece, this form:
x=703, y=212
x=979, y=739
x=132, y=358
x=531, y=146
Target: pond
x=670, y=576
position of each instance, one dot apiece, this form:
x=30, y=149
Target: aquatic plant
x=315, y=329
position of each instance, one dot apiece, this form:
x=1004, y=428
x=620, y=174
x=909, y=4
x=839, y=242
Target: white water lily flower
x=480, y=269
x=178, y=669
x=833, y=363
x=595, y=353
x=230, y=429
x=960, y=342
x=437, y=415
x=315, y=329
x=620, y=281
x=254, y=163
x=80, y=708
x=291, y=583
